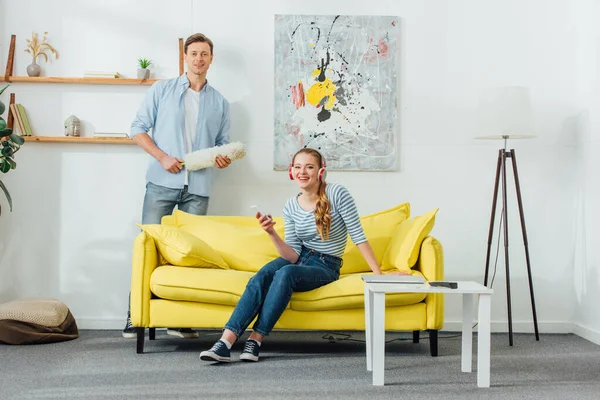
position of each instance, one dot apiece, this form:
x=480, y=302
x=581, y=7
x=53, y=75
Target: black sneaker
x=185, y=333
x=129, y=331
x=219, y=353
x=251, y=349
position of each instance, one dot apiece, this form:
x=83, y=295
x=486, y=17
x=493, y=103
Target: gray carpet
x=299, y=365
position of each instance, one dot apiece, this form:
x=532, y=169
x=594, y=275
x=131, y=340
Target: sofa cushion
x=181, y=248
x=378, y=229
x=202, y=285
x=403, y=250
x=244, y=248
x=347, y=292
x=225, y=287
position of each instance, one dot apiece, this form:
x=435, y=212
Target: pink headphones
x=322, y=170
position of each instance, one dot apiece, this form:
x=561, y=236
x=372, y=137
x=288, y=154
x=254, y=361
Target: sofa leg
x=152, y=333
x=433, y=342
x=416, y=336
x=140, y=339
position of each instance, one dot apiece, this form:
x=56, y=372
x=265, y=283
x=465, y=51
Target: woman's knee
x=284, y=275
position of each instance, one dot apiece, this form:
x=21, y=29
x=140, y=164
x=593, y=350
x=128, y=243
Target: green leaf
x=3, y=89
x=17, y=139
x=6, y=132
x=6, y=143
x=2, y=121
x=4, y=166
x=12, y=163
x=5, y=190
x=7, y=151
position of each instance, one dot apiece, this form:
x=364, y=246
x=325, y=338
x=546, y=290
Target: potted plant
x=9, y=144
x=36, y=49
x=143, y=72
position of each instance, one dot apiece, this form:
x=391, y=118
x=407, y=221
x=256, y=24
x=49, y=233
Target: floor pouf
x=36, y=320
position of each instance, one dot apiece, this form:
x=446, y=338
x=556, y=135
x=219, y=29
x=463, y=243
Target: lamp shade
x=505, y=112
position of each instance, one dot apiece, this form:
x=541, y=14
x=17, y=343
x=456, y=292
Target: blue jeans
x=269, y=291
x=160, y=201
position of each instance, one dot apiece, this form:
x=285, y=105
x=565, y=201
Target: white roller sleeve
x=206, y=157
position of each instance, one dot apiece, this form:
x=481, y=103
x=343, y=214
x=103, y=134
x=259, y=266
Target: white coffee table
x=375, y=325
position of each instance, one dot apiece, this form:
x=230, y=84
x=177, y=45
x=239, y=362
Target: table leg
x=467, y=333
x=369, y=327
x=378, y=338
x=484, y=341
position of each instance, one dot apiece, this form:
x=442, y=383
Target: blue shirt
x=162, y=111
x=301, y=230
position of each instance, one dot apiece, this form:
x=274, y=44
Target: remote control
x=449, y=285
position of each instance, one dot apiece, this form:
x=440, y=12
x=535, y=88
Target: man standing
x=185, y=114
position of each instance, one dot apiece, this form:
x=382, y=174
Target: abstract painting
x=335, y=90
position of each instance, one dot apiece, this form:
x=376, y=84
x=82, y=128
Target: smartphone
x=256, y=209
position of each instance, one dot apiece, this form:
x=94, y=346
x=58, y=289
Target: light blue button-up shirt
x=163, y=112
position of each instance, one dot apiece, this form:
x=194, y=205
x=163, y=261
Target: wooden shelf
x=72, y=139
x=84, y=81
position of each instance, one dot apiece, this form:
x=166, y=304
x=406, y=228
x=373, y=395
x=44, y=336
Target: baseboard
x=587, y=333
x=518, y=327
x=100, y=324
x=453, y=326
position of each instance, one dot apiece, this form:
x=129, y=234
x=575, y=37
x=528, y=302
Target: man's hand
x=222, y=162
x=171, y=164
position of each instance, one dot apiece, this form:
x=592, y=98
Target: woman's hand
x=266, y=222
x=401, y=273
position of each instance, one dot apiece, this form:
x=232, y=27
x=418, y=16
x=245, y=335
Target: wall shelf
x=81, y=139
x=80, y=81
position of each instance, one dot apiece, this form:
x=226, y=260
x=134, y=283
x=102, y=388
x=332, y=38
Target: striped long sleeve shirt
x=301, y=230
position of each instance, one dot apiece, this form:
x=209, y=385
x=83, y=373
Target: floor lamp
x=505, y=113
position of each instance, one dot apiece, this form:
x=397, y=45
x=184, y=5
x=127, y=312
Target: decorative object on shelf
x=101, y=74
x=37, y=48
x=111, y=134
x=72, y=126
x=20, y=119
x=206, y=157
x=9, y=144
x=143, y=72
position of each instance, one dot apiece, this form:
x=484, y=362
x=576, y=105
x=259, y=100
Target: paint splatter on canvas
x=335, y=90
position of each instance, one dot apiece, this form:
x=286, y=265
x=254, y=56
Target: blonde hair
x=322, y=208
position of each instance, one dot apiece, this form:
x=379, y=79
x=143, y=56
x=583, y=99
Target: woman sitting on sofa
x=317, y=223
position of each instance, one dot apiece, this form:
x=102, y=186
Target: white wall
x=586, y=255
x=71, y=231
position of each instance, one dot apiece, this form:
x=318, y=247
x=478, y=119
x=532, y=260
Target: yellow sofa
x=190, y=271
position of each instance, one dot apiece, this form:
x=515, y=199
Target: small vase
x=34, y=69
x=143, y=73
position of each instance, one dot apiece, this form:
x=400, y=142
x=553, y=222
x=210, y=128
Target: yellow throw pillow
x=182, y=248
x=403, y=250
x=244, y=248
x=379, y=229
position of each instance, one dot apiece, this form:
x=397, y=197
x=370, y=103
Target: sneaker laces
x=128, y=324
x=250, y=346
x=217, y=346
